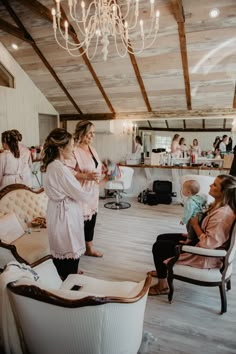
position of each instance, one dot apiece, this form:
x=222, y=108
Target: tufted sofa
x=26, y=204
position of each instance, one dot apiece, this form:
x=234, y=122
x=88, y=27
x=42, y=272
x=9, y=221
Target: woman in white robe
x=64, y=212
x=25, y=156
x=10, y=162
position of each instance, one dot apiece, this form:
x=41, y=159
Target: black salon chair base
x=117, y=206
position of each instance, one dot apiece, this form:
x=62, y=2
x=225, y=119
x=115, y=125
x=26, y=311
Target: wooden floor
x=191, y=324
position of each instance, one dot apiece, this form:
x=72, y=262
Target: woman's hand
x=92, y=176
x=194, y=221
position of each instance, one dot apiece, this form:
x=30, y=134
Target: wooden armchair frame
x=224, y=282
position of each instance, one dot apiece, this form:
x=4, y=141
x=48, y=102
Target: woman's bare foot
x=80, y=271
x=93, y=253
x=153, y=273
x=157, y=290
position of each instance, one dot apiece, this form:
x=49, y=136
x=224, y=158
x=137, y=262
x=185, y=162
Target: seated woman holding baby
x=212, y=233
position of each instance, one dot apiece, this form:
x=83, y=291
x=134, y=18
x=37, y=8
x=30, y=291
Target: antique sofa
x=98, y=317
x=19, y=205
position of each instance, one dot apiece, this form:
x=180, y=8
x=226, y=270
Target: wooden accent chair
x=101, y=317
x=118, y=186
x=205, y=277
x=25, y=204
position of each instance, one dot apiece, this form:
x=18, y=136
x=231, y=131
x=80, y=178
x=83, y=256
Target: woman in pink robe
x=88, y=169
x=11, y=167
x=213, y=233
x=175, y=147
x=65, y=196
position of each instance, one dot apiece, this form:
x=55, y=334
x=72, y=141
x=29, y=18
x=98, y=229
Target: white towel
x=9, y=333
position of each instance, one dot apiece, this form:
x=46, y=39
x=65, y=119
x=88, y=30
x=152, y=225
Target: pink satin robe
x=216, y=228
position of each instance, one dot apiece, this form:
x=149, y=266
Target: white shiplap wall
x=19, y=107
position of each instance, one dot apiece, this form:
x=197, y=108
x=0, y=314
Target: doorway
x=47, y=123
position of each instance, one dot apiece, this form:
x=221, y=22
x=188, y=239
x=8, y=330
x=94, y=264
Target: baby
x=194, y=205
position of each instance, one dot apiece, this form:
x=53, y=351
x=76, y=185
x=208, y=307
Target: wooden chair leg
x=223, y=298
x=228, y=285
x=171, y=287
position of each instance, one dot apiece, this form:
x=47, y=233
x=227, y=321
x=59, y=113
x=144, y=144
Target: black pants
x=66, y=266
x=89, y=226
x=164, y=248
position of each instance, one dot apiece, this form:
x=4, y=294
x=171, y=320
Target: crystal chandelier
x=103, y=20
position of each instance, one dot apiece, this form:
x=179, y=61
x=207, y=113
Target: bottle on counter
x=33, y=152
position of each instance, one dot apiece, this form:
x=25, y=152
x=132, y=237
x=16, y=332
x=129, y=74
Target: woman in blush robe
x=11, y=167
x=64, y=211
x=26, y=159
x=87, y=169
x=175, y=147
x=213, y=233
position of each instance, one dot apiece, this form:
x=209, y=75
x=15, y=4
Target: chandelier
x=103, y=20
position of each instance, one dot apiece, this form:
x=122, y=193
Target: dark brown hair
x=17, y=134
x=9, y=138
x=57, y=138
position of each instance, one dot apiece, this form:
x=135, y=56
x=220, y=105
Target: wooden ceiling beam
x=234, y=99
x=45, y=13
x=14, y=31
x=179, y=16
x=140, y=80
x=39, y=53
x=149, y=123
x=224, y=124
x=217, y=113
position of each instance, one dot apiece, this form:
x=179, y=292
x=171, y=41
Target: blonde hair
x=193, y=186
x=81, y=129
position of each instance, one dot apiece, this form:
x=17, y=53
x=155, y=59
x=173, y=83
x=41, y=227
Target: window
x=6, y=79
x=163, y=142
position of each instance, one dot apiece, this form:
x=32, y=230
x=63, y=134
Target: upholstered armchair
x=102, y=317
x=205, y=277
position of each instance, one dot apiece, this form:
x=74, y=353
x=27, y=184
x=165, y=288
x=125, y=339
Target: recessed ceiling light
x=14, y=46
x=214, y=13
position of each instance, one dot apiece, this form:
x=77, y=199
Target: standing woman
x=175, y=147
x=64, y=211
x=88, y=169
x=196, y=148
x=26, y=159
x=10, y=163
x=138, y=149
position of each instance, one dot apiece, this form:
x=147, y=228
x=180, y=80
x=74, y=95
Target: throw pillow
x=10, y=227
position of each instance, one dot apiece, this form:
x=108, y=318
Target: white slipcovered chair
x=118, y=186
x=205, y=277
x=204, y=181
x=103, y=317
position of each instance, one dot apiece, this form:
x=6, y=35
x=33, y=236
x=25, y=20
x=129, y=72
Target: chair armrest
x=203, y=251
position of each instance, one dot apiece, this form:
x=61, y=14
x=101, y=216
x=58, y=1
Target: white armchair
x=205, y=277
x=103, y=317
x=120, y=185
